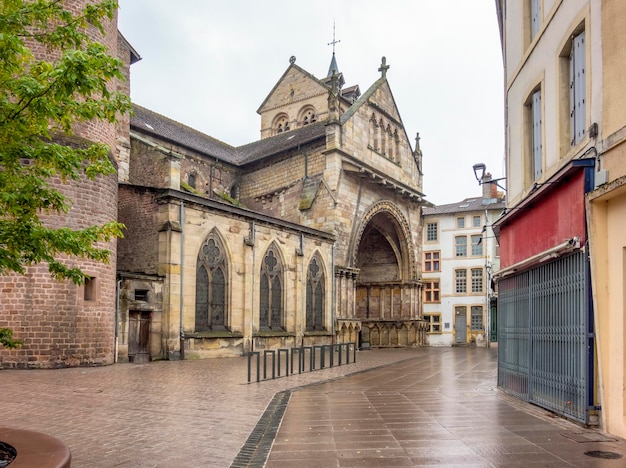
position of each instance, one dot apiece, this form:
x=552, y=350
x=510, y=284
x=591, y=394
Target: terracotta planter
x=35, y=449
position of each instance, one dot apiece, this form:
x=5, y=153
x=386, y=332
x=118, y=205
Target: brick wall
x=138, y=210
x=60, y=323
x=58, y=326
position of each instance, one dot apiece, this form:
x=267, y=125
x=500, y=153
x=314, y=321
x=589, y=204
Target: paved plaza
x=393, y=407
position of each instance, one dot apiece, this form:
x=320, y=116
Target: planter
x=32, y=448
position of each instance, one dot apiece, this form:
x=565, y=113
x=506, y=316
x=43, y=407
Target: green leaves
x=69, y=81
x=6, y=339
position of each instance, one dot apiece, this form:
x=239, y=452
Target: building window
x=431, y=261
x=431, y=291
x=89, y=289
x=211, y=286
x=432, y=232
x=535, y=135
x=315, y=296
x=476, y=221
x=191, y=180
x=477, y=280
x=460, y=223
x=460, y=246
x=141, y=295
x=578, y=88
x=282, y=124
x=477, y=318
x=535, y=17
x=308, y=116
x=477, y=245
x=434, y=322
x=460, y=277
x=271, y=289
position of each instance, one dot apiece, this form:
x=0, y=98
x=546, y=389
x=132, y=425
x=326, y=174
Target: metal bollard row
x=319, y=356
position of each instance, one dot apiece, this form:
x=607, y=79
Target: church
x=311, y=235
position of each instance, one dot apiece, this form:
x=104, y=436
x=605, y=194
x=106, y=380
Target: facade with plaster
x=459, y=258
x=562, y=242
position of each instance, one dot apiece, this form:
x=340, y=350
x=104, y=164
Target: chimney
x=489, y=190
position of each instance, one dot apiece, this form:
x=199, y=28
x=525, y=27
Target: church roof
x=155, y=124
x=282, y=142
x=148, y=121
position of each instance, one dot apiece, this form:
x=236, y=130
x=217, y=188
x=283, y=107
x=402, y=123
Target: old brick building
x=310, y=235
x=60, y=323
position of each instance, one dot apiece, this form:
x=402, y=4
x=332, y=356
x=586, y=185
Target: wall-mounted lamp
x=479, y=173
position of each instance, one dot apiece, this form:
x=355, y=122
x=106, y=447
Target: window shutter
x=578, y=88
x=535, y=18
x=537, y=147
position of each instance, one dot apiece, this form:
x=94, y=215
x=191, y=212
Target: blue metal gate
x=545, y=350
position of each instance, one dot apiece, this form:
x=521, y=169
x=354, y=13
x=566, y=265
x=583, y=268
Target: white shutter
x=537, y=132
x=578, y=88
x=535, y=17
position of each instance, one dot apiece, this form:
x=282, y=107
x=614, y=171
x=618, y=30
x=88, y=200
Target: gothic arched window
x=281, y=123
x=307, y=115
x=211, y=286
x=315, y=296
x=271, y=289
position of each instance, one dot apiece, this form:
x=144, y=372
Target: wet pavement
x=396, y=407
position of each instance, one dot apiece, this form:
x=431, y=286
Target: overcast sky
x=210, y=64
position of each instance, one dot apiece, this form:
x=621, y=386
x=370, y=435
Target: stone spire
x=333, y=68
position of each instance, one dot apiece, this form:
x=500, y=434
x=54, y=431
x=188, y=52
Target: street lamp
x=479, y=173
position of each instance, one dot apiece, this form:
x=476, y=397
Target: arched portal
x=386, y=287
x=382, y=251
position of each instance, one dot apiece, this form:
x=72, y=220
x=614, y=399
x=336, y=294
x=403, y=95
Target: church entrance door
x=139, y=336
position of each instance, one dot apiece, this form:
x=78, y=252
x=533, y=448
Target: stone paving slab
x=395, y=407
x=438, y=409
x=161, y=414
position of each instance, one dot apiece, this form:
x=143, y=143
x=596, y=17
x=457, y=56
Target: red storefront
x=545, y=320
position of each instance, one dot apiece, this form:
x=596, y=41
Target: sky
x=210, y=64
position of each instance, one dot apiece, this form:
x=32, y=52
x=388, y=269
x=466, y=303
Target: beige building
x=310, y=235
x=460, y=256
x=563, y=235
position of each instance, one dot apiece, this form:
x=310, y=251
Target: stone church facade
x=310, y=235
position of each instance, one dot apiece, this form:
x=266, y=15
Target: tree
x=41, y=101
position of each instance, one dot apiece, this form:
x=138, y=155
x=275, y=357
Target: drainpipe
x=182, y=264
x=117, y=321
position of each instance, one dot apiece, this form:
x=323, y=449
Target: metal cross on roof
x=334, y=41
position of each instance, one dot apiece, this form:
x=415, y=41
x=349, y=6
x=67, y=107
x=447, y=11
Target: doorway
x=139, y=336
x=460, y=324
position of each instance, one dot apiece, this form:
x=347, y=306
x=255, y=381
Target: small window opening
x=141, y=294
x=89, y=289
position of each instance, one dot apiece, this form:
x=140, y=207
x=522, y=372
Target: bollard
x=301, y=356
x=298, y=351
x=258, y=375
x=265, y=353
x=311, y=357
x=284, y=350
